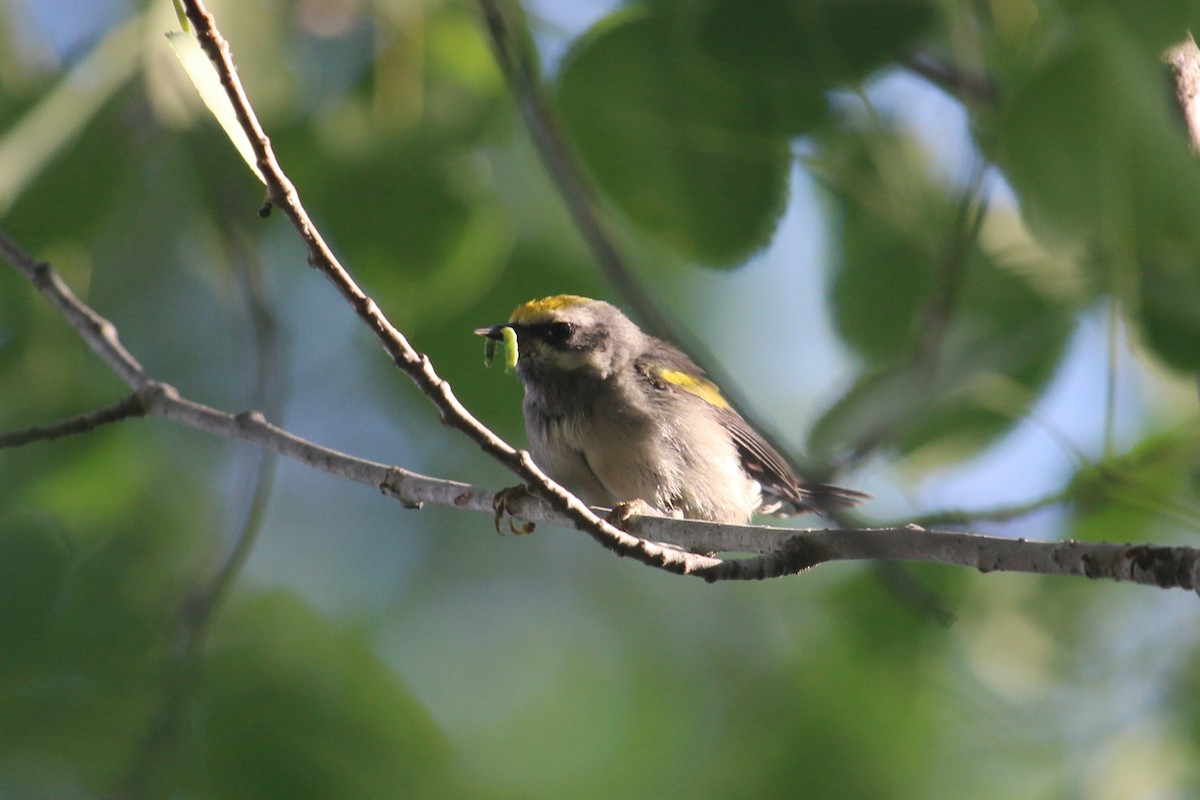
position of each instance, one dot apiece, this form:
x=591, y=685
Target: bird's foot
x=502, y=505
x=623, y=514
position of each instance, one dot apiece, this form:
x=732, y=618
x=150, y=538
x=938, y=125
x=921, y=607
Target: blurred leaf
x=85, y=638
x=1000, y=349
x=679, y=147
x=298, y=707
x=421, y=231
x=1097, y=154
x=1092, y=145
x=74, y=188
x=181, y=14
x=1126, y=498
x=1156, y=26
x=883, y=282
x=813, y=43
x=1169, y=297
x=957, y=343
x=856, y=696
x=896, y=230
x=34, y=563
x=757, y=46
x=203, y=75
x=48, y=128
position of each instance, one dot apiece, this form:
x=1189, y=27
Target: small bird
x=618, y=416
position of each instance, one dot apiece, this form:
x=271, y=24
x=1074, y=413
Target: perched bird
x=617, y=416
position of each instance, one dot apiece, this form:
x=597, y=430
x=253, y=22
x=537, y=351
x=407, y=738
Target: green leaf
x=1169, y=312
x=64, y=157
x=957, y=342
x=423, y=237
x=809, y=43
x=998, y=346
x=181, y=15
x=678, y=146
x=203, y=75
x=895, y=228
x=297, y=707
x=34, y=561
x=1155, y=26
x=1093, y=146
x=1133, y=496
x=1098, y=155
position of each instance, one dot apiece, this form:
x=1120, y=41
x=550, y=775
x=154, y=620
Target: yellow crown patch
x=539, y=310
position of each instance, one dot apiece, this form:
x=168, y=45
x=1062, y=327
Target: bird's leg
x=502, y=505
x=624, y=513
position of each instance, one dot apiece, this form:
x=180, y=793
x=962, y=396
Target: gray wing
x=784, y=492
x=764, y=463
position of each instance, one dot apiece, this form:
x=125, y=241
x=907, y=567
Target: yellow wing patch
x=539, y=310
x=706, y=390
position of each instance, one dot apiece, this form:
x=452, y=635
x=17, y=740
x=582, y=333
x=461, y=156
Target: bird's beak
x=495, y=332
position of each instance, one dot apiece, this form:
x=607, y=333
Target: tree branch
x=128, y=406
x=973, y=91
x=95, y=330
x=1165, y=567
x=783, y=551
x=1000, y=514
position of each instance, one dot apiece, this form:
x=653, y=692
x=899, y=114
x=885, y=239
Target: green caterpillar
x=510, y=349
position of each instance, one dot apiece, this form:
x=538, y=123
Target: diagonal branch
x=417, y=366
x=99, y=333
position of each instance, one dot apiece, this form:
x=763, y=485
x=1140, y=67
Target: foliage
x=748, y=155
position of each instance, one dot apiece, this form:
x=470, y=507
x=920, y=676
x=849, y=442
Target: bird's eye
x=560, y=331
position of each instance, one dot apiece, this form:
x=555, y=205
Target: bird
x=625, y=420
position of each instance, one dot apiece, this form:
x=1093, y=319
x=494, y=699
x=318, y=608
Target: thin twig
x=97, y=332
x=939, y=316
x=1001, y=514
x=267, y=394
x=973, y=91
x=1112, y=348
x=126, y=407
x=925, y=355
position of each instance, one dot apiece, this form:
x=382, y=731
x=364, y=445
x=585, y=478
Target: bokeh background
x=946, y=252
